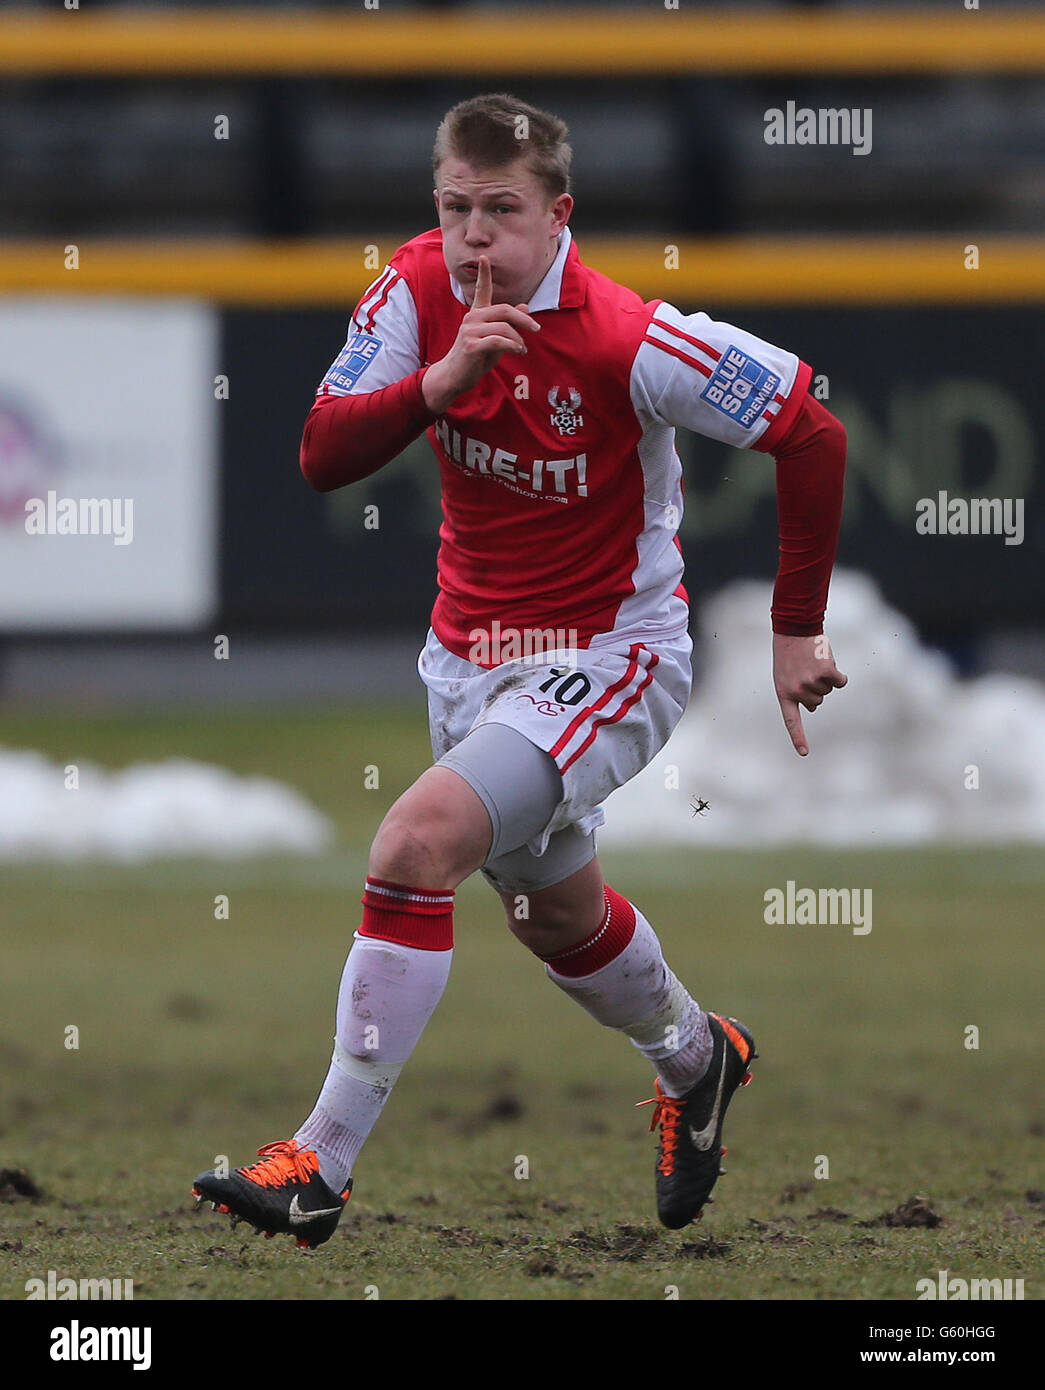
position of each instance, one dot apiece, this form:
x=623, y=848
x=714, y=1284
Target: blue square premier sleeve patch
x=740, y=387
x=352, y=361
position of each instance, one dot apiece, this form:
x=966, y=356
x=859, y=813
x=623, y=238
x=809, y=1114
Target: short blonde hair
x=495, y=129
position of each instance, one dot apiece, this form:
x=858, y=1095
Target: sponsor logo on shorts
x=543, y=706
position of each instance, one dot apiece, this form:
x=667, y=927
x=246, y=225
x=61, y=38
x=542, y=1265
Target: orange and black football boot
x=284, y=1193
x=691, y=1126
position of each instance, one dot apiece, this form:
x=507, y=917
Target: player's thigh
x=517, y=782
x=435, y=834
x=487, y=795
x=552, y=898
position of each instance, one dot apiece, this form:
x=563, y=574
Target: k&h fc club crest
x=564, y=413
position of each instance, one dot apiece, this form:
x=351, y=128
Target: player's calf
x=619, y=975
x=557, y=918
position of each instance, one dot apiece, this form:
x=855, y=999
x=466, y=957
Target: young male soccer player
x=557, y=663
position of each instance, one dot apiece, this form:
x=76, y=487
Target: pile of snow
x=175, y=807
x=894, y=758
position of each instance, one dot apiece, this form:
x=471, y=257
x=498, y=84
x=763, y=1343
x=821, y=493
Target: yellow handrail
x=654, y=41
x=721, y=271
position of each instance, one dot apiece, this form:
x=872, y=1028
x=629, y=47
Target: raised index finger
x=483, y=296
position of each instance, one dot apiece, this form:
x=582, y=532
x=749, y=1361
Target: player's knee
x=536, y=937
x=422, y=843
x=412, y=849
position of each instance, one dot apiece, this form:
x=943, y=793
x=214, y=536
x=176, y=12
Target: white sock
x=388, y=993
x=640, y=995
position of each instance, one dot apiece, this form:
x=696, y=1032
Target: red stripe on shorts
x=604, y=699
x=612, y=718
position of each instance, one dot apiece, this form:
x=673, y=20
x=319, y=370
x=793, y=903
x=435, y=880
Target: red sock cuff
x=419, y=917
x=605, y=943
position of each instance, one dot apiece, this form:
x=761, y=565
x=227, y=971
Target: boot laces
x=668, y=1114
x=282, y=1162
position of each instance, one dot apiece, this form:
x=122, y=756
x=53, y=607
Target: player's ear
x=435, y=197
x=561, y=209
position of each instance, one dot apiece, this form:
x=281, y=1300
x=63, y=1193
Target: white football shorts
x=601, y=713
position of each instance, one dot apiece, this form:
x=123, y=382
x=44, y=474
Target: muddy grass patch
x=915, y=1212
x=17, y=1186
x=625, y=1243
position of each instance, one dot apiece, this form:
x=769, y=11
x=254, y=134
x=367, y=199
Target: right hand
x=486, y=331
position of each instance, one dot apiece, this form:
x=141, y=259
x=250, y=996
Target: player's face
x=505, y=214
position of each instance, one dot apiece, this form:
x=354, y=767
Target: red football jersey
x=561, y=483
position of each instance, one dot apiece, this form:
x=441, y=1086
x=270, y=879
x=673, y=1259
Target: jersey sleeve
x=716, y=379
x=382, y=343
x=369, y=405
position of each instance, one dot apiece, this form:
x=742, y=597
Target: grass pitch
x=200, y=1037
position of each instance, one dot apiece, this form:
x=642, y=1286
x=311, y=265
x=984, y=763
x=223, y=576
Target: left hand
x=804, y=671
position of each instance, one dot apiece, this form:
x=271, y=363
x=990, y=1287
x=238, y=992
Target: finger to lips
x=483, y=285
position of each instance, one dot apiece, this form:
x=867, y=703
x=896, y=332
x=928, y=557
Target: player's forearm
x=810, y=470
x=346, y=438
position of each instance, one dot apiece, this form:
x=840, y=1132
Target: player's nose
x=477, y=232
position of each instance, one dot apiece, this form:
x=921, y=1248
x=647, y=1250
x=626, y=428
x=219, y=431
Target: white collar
x=547, y=293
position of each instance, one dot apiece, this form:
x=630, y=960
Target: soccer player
x=558, y=658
